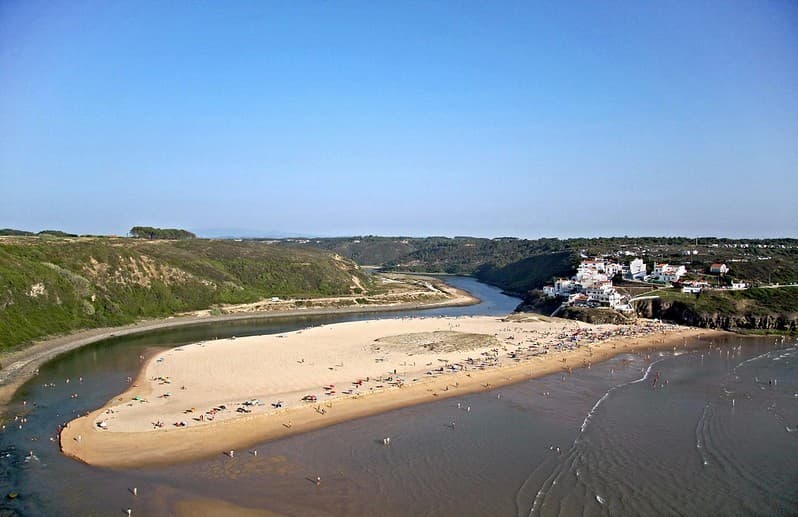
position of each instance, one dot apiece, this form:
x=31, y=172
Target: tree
x=148, y=232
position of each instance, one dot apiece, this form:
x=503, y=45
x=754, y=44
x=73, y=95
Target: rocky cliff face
x=596, y=316
x=683, y=313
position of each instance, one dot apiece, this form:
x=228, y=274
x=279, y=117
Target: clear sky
x=332, y=117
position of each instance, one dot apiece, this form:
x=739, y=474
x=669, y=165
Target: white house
x=604, y=294
x=596, y=271
x=562, y=287
x=668, y=273
x=612, y=268
x=615, y=299
x=719, y=269
x=637, y=269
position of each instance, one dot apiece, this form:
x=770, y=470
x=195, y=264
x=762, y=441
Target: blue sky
x=401, y=118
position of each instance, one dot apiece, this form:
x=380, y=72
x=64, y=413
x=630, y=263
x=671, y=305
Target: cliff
x=743, y=310
x=596, y=316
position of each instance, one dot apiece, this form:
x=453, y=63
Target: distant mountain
x=14, y=232
x=244, y=233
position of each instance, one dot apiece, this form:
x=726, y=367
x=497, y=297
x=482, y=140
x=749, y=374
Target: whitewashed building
x=562, y=287
x=596, y=271
x=637, y=269
x=604, y=294
x=592, y=283
x=668, y=273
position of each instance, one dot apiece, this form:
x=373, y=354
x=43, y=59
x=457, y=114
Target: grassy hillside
x=529, y=273
x=757, y=301
x=50, y=285
x=370, y=251
x=460, y=255
x=467, y=255
x=516, y=265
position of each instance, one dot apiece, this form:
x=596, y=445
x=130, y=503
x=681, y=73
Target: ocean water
x=710, y=431
x=715, y=434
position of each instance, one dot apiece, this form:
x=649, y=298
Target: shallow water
x=714, y=440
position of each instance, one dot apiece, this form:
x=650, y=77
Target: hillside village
x=592, y=285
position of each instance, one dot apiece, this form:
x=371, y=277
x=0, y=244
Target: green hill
x=12, y=231
x=56, y=233
x=529, y=273
x=459, y=255
x=50, y=285
x=148, y=232
x=516, y=265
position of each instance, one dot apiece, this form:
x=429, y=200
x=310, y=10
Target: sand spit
x=219, y=396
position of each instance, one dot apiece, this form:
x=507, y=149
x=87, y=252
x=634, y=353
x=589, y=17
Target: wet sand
x=231, y=385
x=214, y=507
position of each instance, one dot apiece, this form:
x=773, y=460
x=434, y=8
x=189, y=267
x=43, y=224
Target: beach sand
x=209, y=398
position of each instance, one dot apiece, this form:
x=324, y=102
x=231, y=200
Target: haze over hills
x=245, y=233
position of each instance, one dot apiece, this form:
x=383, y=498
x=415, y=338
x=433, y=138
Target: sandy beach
x=216, y=396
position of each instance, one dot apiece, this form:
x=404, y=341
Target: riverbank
x=20, y=366
x=208, y=398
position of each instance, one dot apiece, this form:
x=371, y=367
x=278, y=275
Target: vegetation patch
x=439, y=341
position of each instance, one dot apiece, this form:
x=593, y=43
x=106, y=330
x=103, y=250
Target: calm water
x=716, y=439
